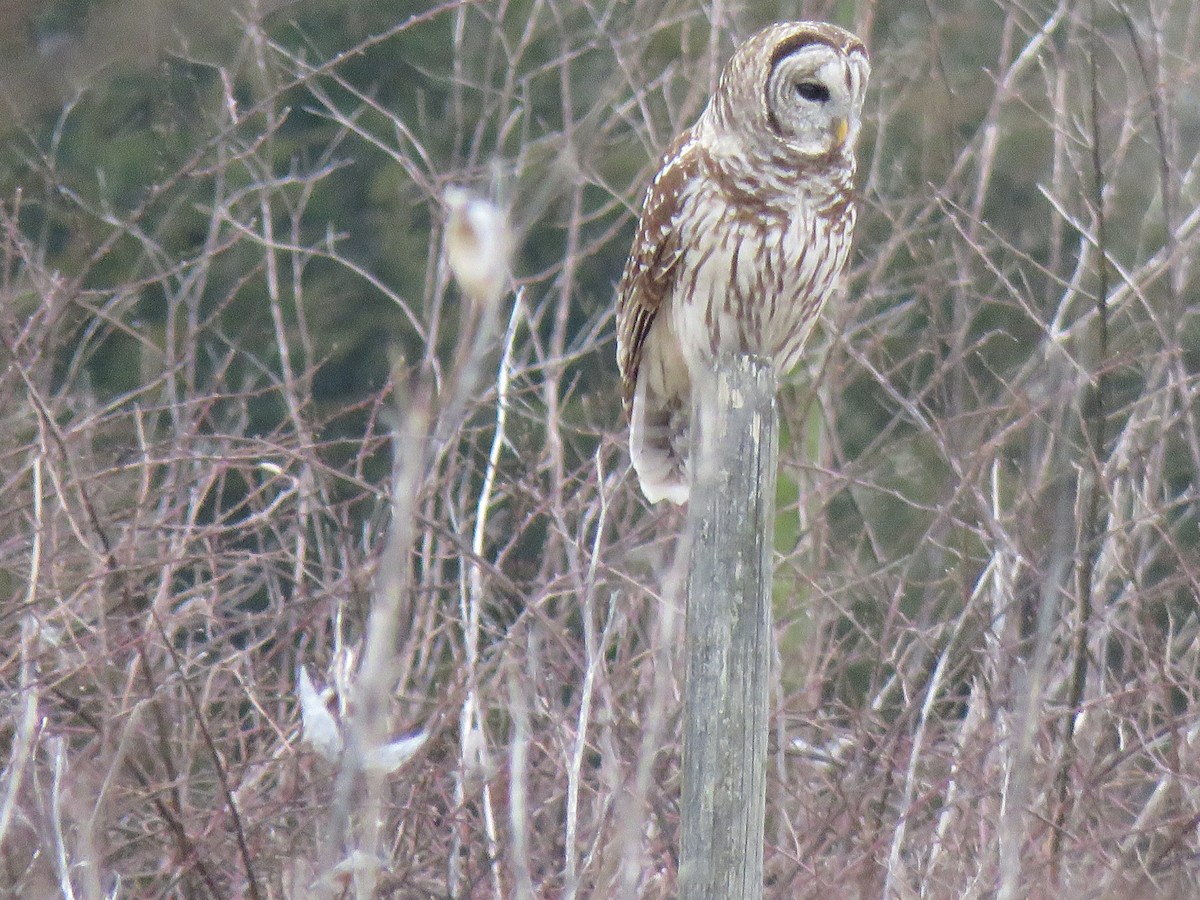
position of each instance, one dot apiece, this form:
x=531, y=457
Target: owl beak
x=841, y=127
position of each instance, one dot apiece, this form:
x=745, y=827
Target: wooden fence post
x=730, y=528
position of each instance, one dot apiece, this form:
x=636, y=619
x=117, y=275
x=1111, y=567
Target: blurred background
x=224, y=303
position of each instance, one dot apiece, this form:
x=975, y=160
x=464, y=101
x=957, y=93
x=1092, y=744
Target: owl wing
x=650, y=269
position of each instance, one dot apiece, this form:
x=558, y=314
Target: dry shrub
x=245, y=432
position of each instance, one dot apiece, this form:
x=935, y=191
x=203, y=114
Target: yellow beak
x=841, y=128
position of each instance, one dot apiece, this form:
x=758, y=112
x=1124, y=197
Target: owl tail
x=659, y=436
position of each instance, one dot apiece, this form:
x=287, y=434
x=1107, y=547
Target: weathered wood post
x=728, y=632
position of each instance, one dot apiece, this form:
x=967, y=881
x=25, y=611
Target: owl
x=744, y=234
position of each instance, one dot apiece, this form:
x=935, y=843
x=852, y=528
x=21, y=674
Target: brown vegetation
x=248, y=425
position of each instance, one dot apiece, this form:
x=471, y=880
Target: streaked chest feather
x=753, y=277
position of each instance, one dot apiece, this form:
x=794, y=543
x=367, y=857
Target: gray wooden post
x=730, y=528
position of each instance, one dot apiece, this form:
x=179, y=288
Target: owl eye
x=813, y=91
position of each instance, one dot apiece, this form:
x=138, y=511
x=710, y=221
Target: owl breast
x=754, y=275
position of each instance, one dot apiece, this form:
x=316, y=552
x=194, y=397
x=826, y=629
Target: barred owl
x=744, y=233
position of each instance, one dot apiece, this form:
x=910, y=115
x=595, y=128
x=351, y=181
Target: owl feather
x=744, y=234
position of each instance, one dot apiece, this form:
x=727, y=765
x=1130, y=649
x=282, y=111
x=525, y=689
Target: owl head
x=796, y=88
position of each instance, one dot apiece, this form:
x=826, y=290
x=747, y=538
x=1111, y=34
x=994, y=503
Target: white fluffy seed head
x=478, y=244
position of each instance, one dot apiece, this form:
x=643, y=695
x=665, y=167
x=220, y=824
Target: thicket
x=249, y=426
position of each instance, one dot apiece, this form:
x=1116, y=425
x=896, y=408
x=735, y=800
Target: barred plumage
x=744, y=234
